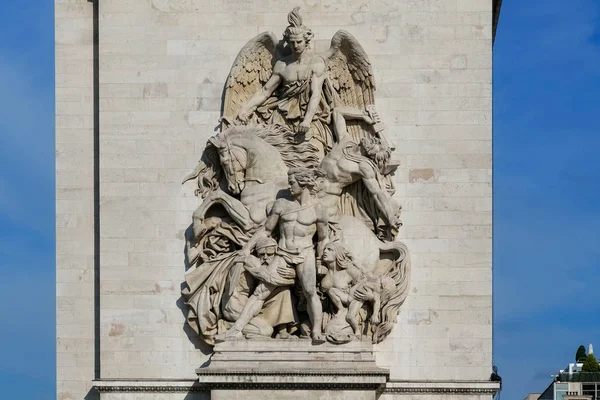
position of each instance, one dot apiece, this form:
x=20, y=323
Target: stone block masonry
x=162, y=66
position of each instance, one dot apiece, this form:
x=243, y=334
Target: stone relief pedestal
x=292, y=369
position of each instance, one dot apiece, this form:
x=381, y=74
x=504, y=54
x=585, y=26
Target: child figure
x=369, y=289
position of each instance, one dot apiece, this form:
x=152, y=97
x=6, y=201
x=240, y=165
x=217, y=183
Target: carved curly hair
x=296, y=28
x=306, y=178
x=377, y=151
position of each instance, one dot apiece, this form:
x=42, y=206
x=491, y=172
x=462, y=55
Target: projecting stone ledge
x=292, y=364
x=446, y=388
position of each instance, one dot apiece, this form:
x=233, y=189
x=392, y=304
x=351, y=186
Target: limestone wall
x=163, y=64
x=74, y=198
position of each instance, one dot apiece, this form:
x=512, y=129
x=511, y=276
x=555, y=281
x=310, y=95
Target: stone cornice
x=147, y=386
x=441, y=387
x=362, y=372
x=292, y=380
x=408, y=387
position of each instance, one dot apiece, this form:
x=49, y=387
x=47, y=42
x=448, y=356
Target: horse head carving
x=233, y=159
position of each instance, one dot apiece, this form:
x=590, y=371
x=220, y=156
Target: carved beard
x=266, y=260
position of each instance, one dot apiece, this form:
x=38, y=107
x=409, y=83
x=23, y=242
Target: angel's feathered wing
x=251, y=69
x=351, y=76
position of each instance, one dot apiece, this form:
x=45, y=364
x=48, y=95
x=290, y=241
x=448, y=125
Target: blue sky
x=546, y=190
x=27, y=304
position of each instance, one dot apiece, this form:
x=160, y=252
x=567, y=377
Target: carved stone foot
x=283, y=334
x=318, y=338
x=230, y=334
x=220, y=338
x=255, y=336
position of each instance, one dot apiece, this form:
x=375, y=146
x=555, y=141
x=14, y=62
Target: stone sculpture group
x=295, y=235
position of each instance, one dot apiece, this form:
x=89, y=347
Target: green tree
x=590, y=364
x=580, y=356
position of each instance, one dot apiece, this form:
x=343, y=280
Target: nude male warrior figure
x=298, y=221
x=349, y=162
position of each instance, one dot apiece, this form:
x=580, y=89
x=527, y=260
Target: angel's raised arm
x=316, y=84
x=317, y=79
x=251, y=72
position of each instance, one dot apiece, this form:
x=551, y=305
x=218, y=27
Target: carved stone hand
x=240, y=259
x=286, y=272
x=244, y=114
x=304, y=127
x=368, y=119
x=363, y=295
x=321, y=269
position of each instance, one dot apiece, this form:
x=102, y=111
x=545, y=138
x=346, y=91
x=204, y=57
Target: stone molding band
x=412, y=387
x=441, y=387
x=440, y=390
x=205, y=387
x=297, y=373
x=148, y=389
x=147, y=386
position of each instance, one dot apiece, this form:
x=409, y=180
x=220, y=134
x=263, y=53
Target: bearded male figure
x=275, y=277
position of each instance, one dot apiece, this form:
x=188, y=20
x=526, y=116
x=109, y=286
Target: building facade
x=569, y=386
x=139, y=91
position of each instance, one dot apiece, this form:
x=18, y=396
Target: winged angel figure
x=285, y=83
x=287, y=107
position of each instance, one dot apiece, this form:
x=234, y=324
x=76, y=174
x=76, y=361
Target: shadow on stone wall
x=196, y=394
x=93, y=394
x=192, y=336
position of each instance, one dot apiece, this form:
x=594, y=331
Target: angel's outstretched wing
x=350, y=71
x=251, y=69
x=351, y=76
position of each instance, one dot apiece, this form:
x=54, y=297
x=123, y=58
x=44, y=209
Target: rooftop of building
x=578, y=377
